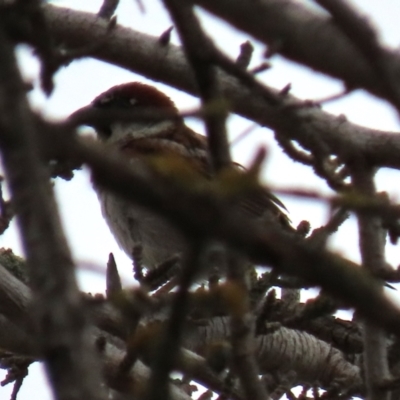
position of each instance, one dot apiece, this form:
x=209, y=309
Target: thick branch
x=17, y=311
x=62, y=330
x=303, y=35
x=365, y=38
x=372, y=247
x=319, y=361
x=143, y=54
x=202, y=215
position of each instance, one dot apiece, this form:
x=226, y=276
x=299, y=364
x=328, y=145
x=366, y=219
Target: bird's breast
x=132, y=224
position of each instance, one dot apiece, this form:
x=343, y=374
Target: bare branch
x=372, y=237
x=57, y=310
x=203, y=215
x=199, y=49
x=303, y=35
x=108, y=9
x=363, y=36
x=300, y=122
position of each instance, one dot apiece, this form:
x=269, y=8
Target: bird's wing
x=193, y=148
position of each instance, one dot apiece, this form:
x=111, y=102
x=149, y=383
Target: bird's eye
x=132, y=101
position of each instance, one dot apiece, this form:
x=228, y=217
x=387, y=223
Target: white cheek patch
x=138, y=129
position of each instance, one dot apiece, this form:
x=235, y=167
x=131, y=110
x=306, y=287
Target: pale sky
x=81, y=81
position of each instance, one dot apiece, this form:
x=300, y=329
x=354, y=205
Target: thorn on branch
x=285, y=90
x=260, y=68
x=113, y=280
x=246, y=52
x=333, y=97
x=165, y=37
x=303, y=229
x=112, y=23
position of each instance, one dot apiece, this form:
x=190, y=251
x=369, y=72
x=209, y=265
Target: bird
x=139, y=139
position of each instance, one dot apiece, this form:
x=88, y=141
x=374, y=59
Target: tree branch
x=306, y=36
x=199, y=51
x=372, y=238
x=143, y=54
x=202, y=215
x=57, y=311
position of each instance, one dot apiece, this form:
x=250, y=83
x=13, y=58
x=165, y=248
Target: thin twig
x=108, y=9
x=198, y=48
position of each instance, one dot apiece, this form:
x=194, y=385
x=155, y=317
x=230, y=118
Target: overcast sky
x=81, y=81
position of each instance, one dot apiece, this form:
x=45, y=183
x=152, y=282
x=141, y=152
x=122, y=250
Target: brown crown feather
x=134, y=94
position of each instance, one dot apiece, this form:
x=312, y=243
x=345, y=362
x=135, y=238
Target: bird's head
x=147, y=104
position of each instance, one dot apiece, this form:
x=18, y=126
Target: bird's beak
x=83, y=116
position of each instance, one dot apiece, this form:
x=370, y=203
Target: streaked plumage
x=139, y=140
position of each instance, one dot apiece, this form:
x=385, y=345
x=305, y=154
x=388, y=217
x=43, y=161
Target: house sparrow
x=137, y=140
